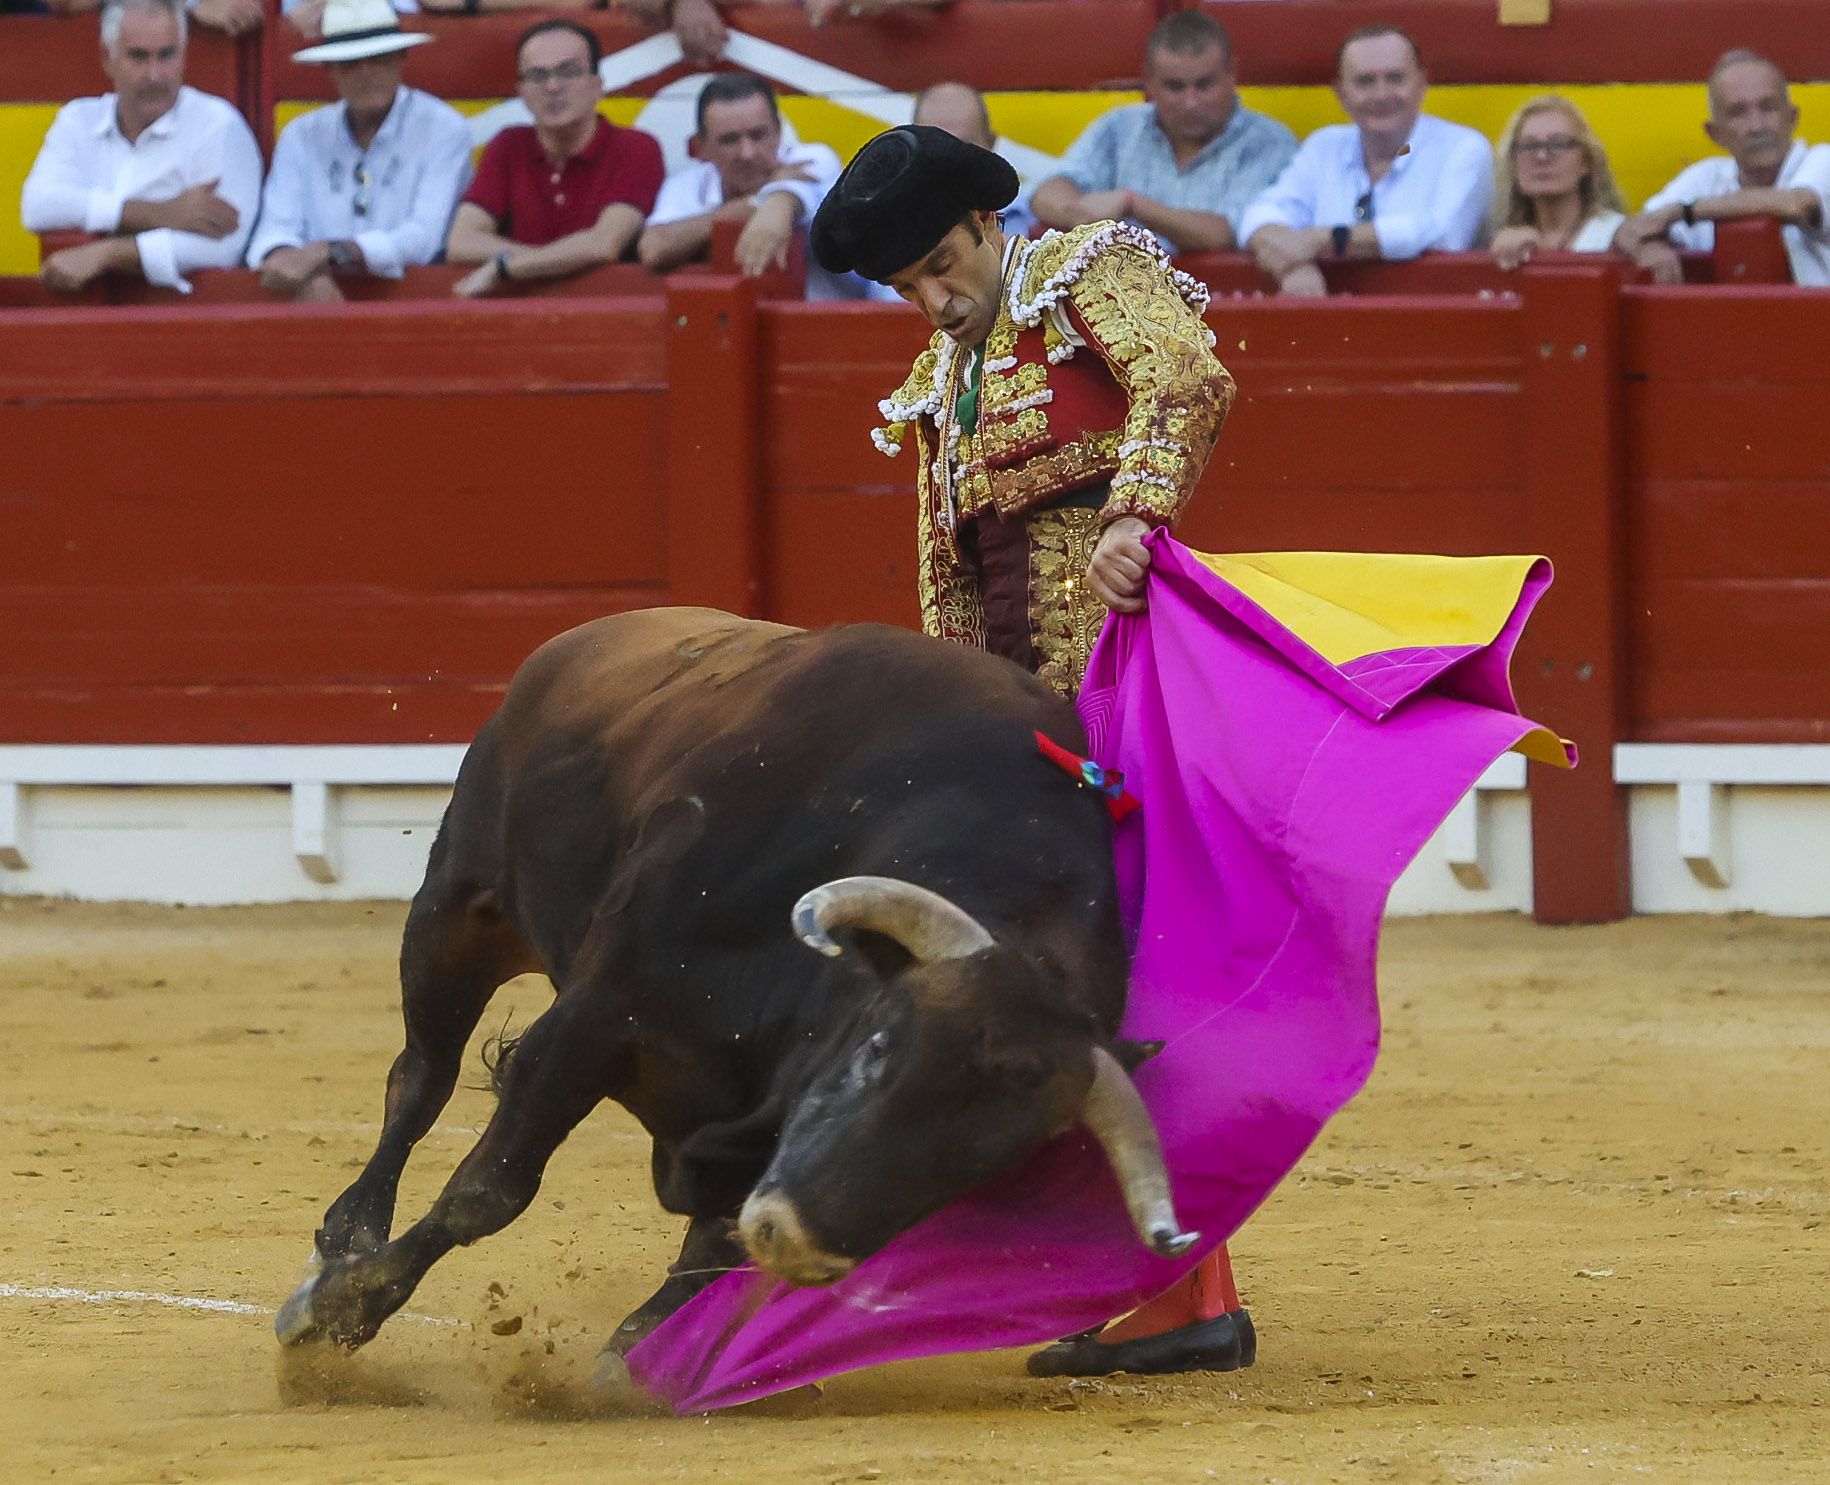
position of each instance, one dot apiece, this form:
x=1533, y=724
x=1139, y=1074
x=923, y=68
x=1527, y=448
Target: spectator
x=1767, y=172
x=307, y=16
x=170, y=176
x=565, y=193
x=1187, y=162
x=237, y=17
x=701, y=29
x=696, y=24
x=959, y=108
x=1392, y=184
x=1553, y=188
x=368, y=185
x=744, y=172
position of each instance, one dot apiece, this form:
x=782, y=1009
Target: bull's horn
x=1121, y=1124
x=923, y=922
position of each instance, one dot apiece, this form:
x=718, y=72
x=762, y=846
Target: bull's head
x=960, y=1067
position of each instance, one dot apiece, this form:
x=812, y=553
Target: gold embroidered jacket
x=1140, y=415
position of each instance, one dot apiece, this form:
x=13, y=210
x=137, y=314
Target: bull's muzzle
x=775, y=1236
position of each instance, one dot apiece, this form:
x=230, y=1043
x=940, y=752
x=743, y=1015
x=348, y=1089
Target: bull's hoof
x=295, y=1323
x=1223, y=1344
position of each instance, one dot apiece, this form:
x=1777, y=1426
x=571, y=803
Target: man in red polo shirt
x=565, y=194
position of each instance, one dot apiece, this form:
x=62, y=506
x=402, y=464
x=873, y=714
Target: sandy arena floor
x=1574, y=1229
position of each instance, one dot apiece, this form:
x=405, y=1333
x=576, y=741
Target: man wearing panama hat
x=367, y=185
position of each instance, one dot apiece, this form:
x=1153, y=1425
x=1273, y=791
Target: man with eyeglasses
x=568, y=192
x=170, y=178
x=1767, y=172
x=1395, y=183
x=368, y=185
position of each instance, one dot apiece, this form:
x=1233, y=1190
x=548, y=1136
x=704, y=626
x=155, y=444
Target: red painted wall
x=1024, y=44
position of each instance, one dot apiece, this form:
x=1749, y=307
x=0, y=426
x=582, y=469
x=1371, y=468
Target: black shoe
x=1224, y=1344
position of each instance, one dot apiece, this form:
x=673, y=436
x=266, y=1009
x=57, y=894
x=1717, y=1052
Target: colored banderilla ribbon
x=1108, y=783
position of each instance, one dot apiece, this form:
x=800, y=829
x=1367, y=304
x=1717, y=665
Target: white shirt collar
x=159, y=128
x=390, y=126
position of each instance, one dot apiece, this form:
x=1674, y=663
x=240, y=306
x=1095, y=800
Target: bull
x=670, y=809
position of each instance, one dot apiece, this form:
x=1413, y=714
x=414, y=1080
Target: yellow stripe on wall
x=1652, y=130
x=22, y=130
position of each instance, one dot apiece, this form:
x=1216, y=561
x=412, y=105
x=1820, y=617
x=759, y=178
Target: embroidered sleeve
x=918, y=396
x=1148, y=328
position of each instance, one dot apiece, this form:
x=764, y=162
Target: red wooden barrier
x=261, y=523
x=1572, y=666
x=1728, y=467
x=274, y=523
x=52, y=59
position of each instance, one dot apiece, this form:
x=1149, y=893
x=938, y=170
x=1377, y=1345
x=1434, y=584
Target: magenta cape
x=1295, y=729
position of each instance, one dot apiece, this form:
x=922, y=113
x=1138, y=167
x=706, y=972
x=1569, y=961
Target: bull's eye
x=867, y=1064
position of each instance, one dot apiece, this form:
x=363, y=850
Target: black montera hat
x=901, y=194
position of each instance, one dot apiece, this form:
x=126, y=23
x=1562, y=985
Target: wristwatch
x=1690, y=213
x=344, y=255
x=1340, y=237
x=501, y=266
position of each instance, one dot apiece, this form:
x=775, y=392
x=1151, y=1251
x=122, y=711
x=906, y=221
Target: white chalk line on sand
x=63, y=1294
x=179, y=1124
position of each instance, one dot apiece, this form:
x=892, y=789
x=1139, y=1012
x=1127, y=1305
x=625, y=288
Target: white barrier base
x=1713, y=829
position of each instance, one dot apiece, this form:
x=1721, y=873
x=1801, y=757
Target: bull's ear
x=1133, y=1055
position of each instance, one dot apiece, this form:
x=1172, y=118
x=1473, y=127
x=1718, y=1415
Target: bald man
x=960, y=109
x=1767, y=172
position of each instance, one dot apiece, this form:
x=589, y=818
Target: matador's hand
x=1120, y=561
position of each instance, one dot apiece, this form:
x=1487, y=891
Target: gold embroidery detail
x=1159, y=350
x=1064, y=616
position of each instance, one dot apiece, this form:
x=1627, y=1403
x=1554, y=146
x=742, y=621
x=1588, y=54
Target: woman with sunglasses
x=1554, y=190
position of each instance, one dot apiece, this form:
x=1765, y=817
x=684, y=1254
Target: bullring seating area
x=1633, y=65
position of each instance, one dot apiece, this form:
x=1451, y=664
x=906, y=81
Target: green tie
x=966, y=408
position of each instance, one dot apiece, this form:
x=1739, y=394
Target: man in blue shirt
x=1184, y=164
x=1392, y=184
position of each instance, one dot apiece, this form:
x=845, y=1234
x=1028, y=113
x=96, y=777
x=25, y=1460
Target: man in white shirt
x=1767, y=172
x=743, y=171
x=1393, y=184
x=369, y=184
x=170, y=176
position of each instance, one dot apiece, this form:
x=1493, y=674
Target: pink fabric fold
x=1281, y=799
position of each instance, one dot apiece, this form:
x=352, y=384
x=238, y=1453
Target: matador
x=1066, y=404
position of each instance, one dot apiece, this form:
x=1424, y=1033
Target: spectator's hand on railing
x=1280, y=250
x=307, y=18
x=700, y=29
x=1304, y=281
x=1645, y=227
x=480, y=282
x=1660, y=259
x=289, y=270
x=237, y=17
x=74, y=269
x=1513, y=246
x=1106, y=206
x=763, y=243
